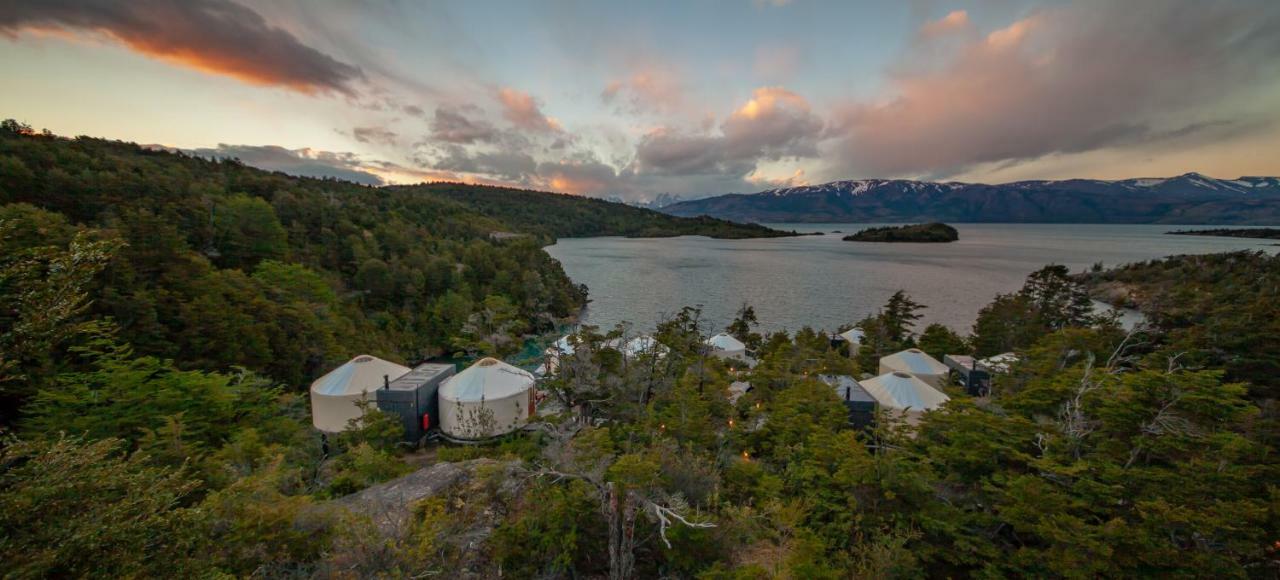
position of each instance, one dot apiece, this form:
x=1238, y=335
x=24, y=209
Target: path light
x=746, y=456
x=731, y=423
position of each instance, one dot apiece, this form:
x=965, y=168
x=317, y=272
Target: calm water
x=822, y=281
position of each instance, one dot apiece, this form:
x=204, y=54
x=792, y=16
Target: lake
x=823, y=282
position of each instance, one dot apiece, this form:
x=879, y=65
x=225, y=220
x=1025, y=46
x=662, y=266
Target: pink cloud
x=953, y=21
x=650, y=88
x=1063, y=80
x=524, y=112
x=214, y=36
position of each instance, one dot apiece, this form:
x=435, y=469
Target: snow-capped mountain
x=1191, y=198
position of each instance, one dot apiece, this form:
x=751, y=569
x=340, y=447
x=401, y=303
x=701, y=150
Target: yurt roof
x=488, y=379
x=643, y=344
x=360, y=374
x=847, y=388
x=853, y=335
x=724, y=341
x=916, y=361
x=565, y=344
x=899, y=390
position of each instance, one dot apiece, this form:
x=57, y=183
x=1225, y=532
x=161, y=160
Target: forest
x=920, y=233
x=160, y=314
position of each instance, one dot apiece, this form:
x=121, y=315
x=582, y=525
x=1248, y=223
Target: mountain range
x=1191, y=198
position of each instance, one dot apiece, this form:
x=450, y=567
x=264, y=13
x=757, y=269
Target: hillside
x=567, y=216
x=918, y=233
x=220, y=264
x=1187, y=199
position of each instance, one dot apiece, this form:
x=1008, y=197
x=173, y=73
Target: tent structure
x=853, y=336
x=488, y=399
x=644, y=344
x=564, y=346
x=725, y=345
x=1000, y=363
x=904, y=393
x=915, y=362
x=334, y=396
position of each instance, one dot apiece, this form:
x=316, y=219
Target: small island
x=1258, y=233
x=919, y=233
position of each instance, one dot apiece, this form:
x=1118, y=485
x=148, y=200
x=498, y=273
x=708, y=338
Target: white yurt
x=725, y=345
x=334, y=396
x=488, y=399
x=916, y=362
x=903, y=392
x=853, y=336
x=645, y=345
x=551, y=356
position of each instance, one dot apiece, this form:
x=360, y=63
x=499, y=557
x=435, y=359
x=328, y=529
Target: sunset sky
x=633, y=99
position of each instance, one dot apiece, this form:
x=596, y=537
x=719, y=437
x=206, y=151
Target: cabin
x=335, y=397
x=413, y=398
x=969, y=373
x=860, y=404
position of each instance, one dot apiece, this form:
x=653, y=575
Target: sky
x=690, y=98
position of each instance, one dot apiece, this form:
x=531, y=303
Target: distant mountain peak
x=1188, y=198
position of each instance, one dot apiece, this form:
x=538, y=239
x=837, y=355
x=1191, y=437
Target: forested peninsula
x=1259, y=233
x=917, y=233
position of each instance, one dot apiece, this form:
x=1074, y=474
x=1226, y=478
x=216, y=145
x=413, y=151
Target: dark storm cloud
x=217, y=36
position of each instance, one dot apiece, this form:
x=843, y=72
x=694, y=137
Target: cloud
x=650, y=89
x=524, y=112
x=953, y=21
x=452, y=125
x=215, y=36
x=1063, y=80
x=301, y=162
x=507, y=164
x=581, y=177
x=774, y=124
x=377, y=135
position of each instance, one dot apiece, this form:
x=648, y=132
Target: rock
x=391, y=503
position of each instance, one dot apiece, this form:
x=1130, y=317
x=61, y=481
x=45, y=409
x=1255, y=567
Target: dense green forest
x=563, y=215
x=154, y=308
x=1259, y=233
x=924, y=233
x=217, y=264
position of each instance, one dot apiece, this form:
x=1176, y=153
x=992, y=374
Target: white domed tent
x=334, y=396
x=725, y=345
x=900, y=391
x=853, y=336
x=915, y=362
x=645, y=345
x=551, y=356
x=488, y=399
